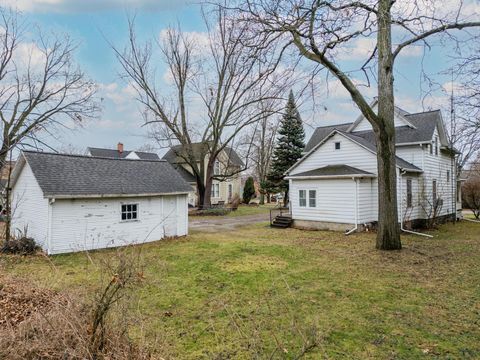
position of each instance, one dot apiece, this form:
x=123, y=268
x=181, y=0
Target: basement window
x=129, y=212
x=337, y=146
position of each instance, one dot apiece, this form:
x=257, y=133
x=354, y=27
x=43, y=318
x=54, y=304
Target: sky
x=95, y=23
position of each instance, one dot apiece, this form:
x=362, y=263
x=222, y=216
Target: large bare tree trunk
x=388, y=236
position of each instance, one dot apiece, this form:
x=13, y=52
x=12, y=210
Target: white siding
x=83, y=224
x=364, y=124
x=29, y=208
x=367, y=200
x=335, y=200
x=350, y=154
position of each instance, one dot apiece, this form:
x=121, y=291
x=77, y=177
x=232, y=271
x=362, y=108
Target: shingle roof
x=112, y=153
x=334, y=170
x=187, y=176
x=173, y=155
x=77, y=176
x=322, y=132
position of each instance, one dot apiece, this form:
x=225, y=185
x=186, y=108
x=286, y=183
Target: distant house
x=120, y=153
x=72, y=203
x=335, y=184
x=228, y=162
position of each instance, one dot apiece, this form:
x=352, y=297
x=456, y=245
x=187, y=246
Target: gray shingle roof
x=187, y=176
x=322, y=132
x=334, y=170
x=112, y=153
x=77, y=176
x=173, y=155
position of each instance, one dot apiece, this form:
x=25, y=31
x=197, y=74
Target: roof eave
x=313, y=177
x=96, y=196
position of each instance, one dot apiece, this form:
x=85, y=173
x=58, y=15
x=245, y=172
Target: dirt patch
x=251, y=263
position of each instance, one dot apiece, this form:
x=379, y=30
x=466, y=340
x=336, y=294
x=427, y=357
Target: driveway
x=216, y=223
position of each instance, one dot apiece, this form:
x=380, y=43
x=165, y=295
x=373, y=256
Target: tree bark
x=388, y=235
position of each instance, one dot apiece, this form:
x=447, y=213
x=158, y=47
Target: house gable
x=325, y=153
x=362, y=124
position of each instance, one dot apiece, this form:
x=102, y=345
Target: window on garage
x=337, y=146
x=129, y=212
x=302, y=198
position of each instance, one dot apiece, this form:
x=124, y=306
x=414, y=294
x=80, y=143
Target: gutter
x=401, y=212
x=312, y=177
x=96, y=196
x=356, y=208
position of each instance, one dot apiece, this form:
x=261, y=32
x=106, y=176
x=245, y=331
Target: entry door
x=170, y=215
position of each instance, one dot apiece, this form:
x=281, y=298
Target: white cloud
x=71, y=6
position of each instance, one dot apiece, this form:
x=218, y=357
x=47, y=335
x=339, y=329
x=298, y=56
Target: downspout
x=356, y=208
x=403, y=172
x=49, y=225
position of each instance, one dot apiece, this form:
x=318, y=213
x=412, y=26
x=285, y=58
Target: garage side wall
x=87, y=224
x=29, y=208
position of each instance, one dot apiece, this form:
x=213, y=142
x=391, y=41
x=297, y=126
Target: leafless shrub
x=471, y=195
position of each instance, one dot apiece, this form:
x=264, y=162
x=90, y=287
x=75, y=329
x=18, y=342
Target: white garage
x=71, y=203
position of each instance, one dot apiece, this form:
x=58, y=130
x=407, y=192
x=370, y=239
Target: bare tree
x=228, y=79
x=40, y=85
x=263, y=135
x=320, y=30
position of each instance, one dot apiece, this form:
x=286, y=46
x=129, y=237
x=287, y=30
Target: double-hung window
x=215, y=190
x=129, y=212
x=216, y=167
x=434, y=191
x=302, y=198
x=312, y=198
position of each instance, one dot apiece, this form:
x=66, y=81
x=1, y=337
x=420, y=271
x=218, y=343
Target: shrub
x=211, y=212
x=248, y=190
x=22, y=245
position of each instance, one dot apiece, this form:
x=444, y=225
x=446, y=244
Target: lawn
x=258, y=291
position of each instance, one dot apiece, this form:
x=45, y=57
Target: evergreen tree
x=248, y=190
x=289, y=147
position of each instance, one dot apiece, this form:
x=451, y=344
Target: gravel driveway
x=216, y=223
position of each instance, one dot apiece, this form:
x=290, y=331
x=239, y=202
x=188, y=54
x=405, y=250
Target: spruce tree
x=248, y=190
x=289, y=147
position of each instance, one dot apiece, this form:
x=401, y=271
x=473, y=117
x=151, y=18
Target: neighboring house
x=73, y=203
x=228, y=162
x=335, y=184
x=120, y=153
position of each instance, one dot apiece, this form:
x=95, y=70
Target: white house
x=335, y=186
x=73, y=203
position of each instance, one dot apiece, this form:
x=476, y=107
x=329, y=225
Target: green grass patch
x=258, y=292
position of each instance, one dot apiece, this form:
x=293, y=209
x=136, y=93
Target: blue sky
x=91, y=22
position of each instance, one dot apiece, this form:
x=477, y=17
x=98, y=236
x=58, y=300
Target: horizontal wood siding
x=30, y=208
x=349, y=153
x=84, y=224
x=335, y=200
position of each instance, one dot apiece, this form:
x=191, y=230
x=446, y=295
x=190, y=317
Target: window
x=302, y=198
x=434, y=191
x=312, y=198
x=431, y=148
x=448, y=176
x=230, y=191
x=215, y=191
x=216, y=167
x=409, y=192
x=337, y=146
x=129, y=212
x=436, y=145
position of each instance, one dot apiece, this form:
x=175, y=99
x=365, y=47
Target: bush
x=248, y=190
x=22, y=245
x=210, y=212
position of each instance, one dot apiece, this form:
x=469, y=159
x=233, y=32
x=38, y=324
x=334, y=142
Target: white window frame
x=215, y=190
x=216, y=167
x=304, y=198
x=134, y=214
x=310, y=198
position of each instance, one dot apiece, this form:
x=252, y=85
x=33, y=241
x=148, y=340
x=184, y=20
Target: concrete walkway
x=221, y=223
